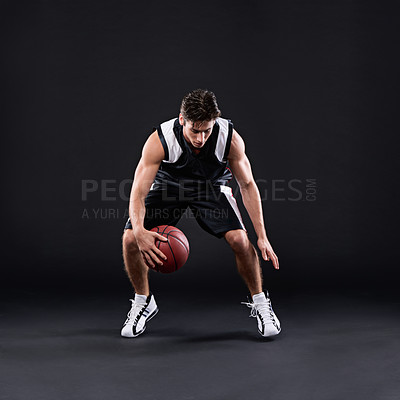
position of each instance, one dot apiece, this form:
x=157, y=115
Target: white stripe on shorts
x=227, y=191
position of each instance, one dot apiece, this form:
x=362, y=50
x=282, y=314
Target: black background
x=310, y=85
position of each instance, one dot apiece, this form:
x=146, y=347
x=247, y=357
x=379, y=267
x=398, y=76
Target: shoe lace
x=133, y=312
x=264, y=308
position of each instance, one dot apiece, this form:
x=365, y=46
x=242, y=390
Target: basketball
x=176, y=249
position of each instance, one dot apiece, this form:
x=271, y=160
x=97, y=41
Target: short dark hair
x=200, y=105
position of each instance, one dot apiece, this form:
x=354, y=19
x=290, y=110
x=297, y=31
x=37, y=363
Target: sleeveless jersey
x=182, y=167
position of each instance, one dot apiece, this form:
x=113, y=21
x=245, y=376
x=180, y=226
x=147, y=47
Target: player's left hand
x=267, y=252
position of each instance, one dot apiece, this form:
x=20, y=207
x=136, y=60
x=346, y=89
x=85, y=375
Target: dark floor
x=331, y=347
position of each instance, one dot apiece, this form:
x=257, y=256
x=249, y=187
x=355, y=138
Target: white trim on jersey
x=227, y=191
x=222, y=138
x=174, y=149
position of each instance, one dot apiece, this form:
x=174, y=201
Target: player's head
x=199, y=110
x=200, y=105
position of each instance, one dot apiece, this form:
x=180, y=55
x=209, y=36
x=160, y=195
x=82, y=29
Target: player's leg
x=134, y=265
x=247, y=261
x=248, y=264
x=144, y=306
x=218, y=214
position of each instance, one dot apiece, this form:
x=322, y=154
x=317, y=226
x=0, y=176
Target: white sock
x=140, y=298
x=259, y=298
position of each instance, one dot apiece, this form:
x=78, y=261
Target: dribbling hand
x=146, y=242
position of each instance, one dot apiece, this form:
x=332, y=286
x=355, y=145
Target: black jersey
x=195, y=181
x=182, y=167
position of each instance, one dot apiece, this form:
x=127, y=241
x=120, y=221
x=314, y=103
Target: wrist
x=137, y=230
x=262, y=236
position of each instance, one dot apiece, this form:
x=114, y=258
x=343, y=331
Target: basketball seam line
x=173, y=255
x=179, y=240
x=166, y=226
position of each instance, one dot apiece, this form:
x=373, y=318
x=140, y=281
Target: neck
x=194, y=149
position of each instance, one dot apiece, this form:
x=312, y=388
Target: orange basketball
x=176, y=248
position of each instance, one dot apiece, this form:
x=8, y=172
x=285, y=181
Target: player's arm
x=241, y=169
x=152, y=155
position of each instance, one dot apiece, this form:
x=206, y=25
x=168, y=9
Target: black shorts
x=214, y=208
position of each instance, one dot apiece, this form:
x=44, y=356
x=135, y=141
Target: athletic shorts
x=215, y=209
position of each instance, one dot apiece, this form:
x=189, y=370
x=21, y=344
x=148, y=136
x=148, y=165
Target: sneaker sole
x=153, y=314
x=274, y=334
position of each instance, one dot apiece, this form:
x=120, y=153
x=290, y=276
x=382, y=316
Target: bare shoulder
x=237, y=149
x=153, y=150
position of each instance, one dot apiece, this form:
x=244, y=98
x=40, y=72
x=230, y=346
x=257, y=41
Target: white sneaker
x=142, y=310
x=268, y=322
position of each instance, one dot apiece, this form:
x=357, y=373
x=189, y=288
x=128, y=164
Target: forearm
x=140, y=189
x=252, y=201
x=137, y=211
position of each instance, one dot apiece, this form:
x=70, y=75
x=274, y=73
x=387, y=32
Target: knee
x=129, y=241
x=238, y=241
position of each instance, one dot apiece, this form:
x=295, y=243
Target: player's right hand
x=146, y=242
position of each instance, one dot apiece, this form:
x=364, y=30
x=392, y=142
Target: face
x=196, y=133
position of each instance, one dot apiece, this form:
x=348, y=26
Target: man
x=184, y=164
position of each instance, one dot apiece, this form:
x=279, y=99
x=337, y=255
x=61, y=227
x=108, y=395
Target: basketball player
x=184, y=164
